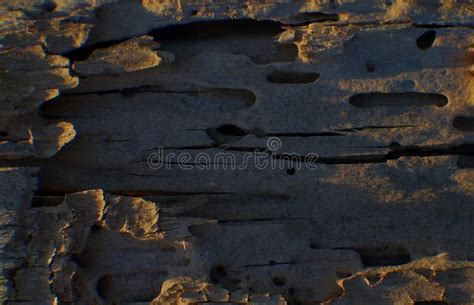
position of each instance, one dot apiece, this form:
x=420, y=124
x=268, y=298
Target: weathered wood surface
x=370, y=199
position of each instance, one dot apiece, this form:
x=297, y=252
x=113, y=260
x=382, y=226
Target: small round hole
x=104, y=286
x=370, y=67
x=217, y=274
x=49, y=6
x=279, y=281
x=426, y=40
x=291, y=171
x=96, y=228
x=291, y=291
x=394, y=145
x=231, y=130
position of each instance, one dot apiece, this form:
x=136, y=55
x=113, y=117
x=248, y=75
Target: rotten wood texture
x=363, y=113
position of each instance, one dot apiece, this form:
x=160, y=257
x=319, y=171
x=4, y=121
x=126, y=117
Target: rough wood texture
x=370, y=106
